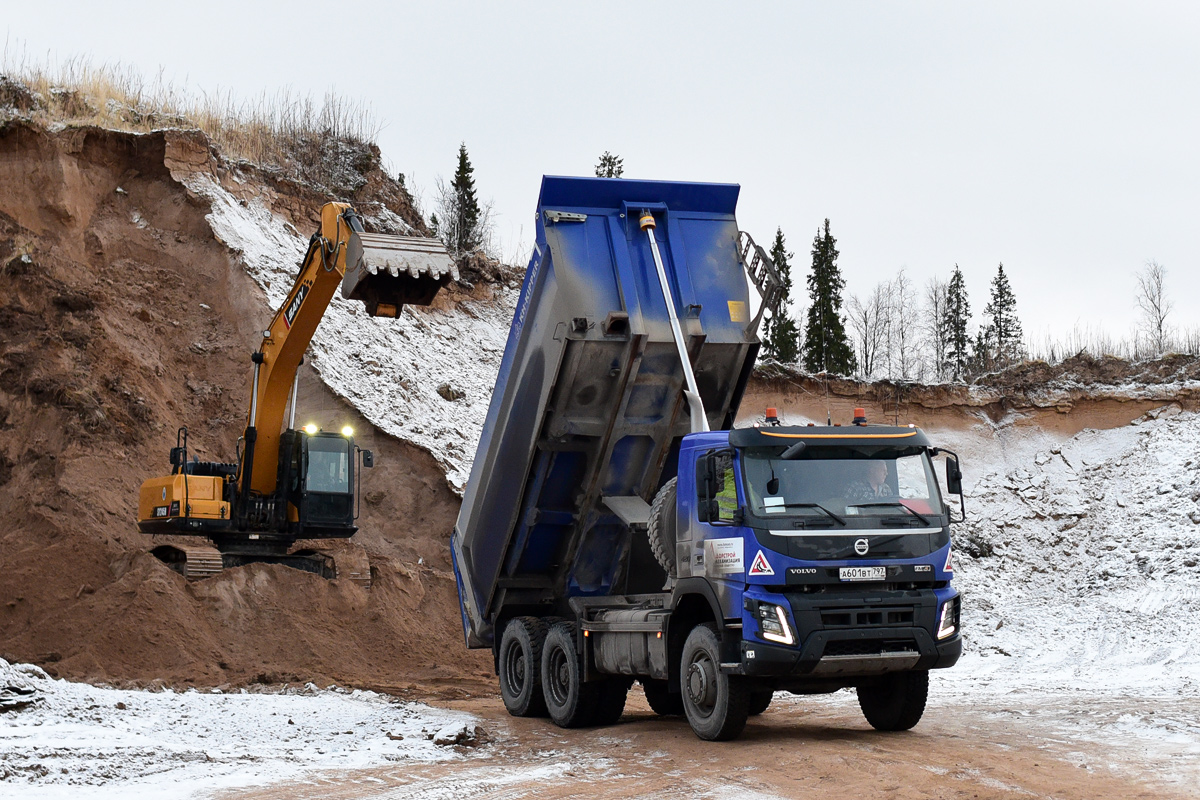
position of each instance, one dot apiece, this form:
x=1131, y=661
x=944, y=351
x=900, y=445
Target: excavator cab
x=327, y=491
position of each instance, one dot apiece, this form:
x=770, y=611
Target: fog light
x=773, y=624
x=948, y=625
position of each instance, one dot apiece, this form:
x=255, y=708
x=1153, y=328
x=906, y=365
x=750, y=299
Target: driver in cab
x=871, y=484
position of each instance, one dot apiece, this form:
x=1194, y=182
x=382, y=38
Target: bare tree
x=903, y=328
x=448, y=225
x=935, y=328
x=867, y=322
x=1154, y=304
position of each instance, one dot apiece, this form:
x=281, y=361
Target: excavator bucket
x=386, y=271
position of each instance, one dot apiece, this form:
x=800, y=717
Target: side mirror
x=953, y=476
x=368, y=459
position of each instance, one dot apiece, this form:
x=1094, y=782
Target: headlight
x=347, y=431
x=311, y=429
x=773, y=624
x=948, y=625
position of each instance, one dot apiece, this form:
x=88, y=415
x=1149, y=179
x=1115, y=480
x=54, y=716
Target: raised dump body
x=589, y=410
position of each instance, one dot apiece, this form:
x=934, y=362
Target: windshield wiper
x=921, y=517
x=832, y=515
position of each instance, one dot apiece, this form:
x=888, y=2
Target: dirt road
x=1014, y=745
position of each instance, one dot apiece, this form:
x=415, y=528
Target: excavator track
x=196, y=563
x=190, y=561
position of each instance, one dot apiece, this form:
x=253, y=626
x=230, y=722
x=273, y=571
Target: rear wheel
x=895, y=702
x=520, y=667
x=610, y=701
x=716, y=704
x=661, y=701
x=760, y=701
x=570, y=702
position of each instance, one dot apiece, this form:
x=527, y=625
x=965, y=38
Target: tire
x=570, y=702
x=661, y=529
x=661, y=701
x=716, y=704
x=760, y=701
x=521, y=665
x=895, y=702
x=610, y=701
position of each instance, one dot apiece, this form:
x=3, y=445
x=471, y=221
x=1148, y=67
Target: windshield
x=328, y=465
x=842, y=482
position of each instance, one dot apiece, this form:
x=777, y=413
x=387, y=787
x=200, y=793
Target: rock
x=464, y=734
x=450, y=393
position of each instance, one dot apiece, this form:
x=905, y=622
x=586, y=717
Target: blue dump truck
x=617, y=528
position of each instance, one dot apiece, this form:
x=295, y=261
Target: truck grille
x=867, y=617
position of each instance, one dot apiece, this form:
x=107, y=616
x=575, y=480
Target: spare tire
x=662, y=528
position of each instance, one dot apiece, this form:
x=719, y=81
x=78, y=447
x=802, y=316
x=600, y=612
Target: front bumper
x=854, y=653
x=852, y=633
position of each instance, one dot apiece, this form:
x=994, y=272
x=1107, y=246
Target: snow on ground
x=79, y=741
x=1080, y=560
x=389, y=369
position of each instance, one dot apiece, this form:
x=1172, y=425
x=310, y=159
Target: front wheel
x=895, y=702
x=716, y=704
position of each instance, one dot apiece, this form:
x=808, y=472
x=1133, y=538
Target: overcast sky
x=1060, y=139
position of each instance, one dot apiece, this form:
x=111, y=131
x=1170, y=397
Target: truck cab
x=827, y=550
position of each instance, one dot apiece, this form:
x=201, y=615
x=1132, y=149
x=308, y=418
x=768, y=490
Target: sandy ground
x=999, y=745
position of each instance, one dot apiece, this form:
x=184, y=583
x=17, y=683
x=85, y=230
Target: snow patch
x=82, y=740
x=1080, y=561
x=389, y=369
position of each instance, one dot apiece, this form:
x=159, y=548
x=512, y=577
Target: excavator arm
x=383, y=271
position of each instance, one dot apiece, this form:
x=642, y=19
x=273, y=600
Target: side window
x=727, y=497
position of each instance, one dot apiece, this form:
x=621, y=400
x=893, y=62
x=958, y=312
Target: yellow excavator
x=290, y=484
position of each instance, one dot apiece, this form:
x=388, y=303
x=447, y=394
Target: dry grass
x=317, y=141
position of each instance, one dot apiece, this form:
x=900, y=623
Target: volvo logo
x=861, y=546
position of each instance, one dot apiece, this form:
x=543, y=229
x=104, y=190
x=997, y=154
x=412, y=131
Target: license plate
x=160, y=511
x=862, y=573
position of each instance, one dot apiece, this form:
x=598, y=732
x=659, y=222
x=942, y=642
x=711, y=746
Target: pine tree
x=466, y=233
x=954, y=323
x=1003, y=337
x=610, y=166
x=826, y=346
x=782, y=339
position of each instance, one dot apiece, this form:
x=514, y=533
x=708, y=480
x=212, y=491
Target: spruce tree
x=466, y=233
x=782, y=339
x=954, y=323
x=610, y=166
x=826, y=346
x=1004, y=329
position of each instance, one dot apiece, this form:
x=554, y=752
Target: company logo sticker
x=724, y=557
x=861, y=546
x=760, y=565
x=293, y=308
